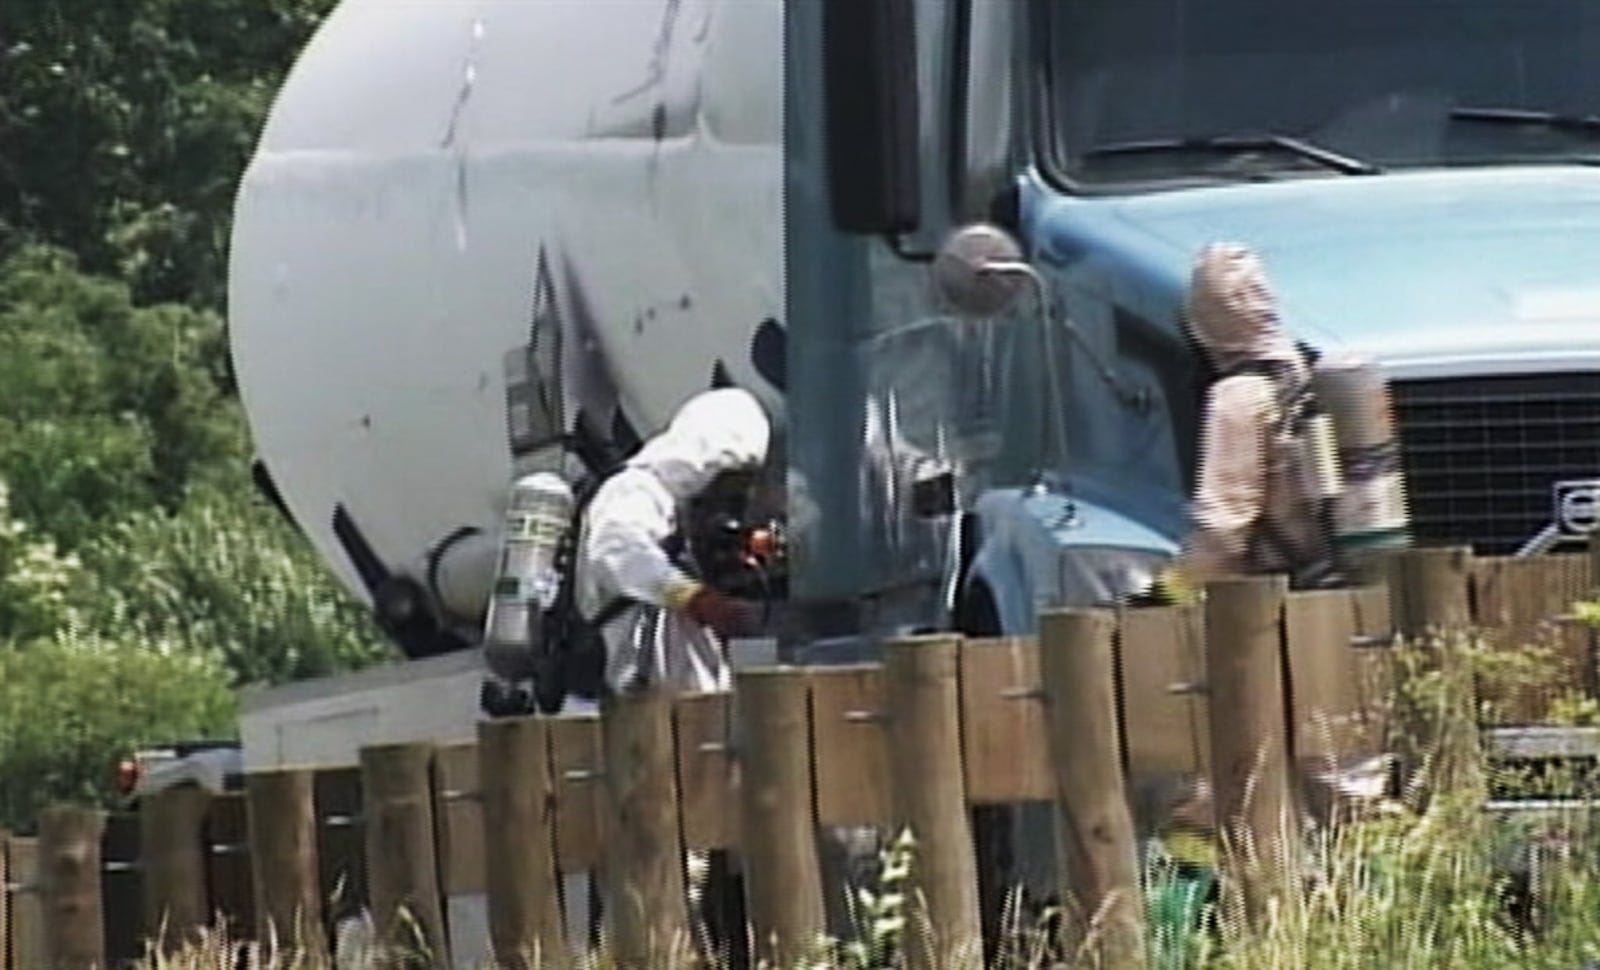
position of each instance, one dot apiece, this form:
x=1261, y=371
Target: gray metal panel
x=1544, y=742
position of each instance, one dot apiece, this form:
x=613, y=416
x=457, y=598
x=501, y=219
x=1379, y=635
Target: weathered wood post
x=1430, y=602
x=644, y=892
x=1594, y=561
x=923, y=709
x=173, y=859
x=27, y=911
x=282, y=826
x=783, y=873
x=1255, y=810
x=519, y=859
x=69, y=886
x=402, y=869
x=1098, y=854
x=6, y=891
x=1429, y=592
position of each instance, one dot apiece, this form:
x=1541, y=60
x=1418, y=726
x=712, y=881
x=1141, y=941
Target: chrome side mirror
x=979, y=270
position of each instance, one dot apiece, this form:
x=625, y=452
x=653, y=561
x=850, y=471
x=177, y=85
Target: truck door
x=898, y=127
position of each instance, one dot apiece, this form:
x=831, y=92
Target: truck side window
x=981, y=106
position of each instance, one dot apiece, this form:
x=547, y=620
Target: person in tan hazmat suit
x=1249, y=515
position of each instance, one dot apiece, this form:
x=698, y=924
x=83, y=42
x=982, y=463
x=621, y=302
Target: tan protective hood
x=1232, y=312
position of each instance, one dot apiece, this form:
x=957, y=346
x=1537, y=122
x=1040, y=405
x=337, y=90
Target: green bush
x=71, y=707
x=37, y=584
x=135, y=561
x=106, y=408
x=226, y=577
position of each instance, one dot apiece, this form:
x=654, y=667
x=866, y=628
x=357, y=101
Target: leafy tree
x=70, y=707
x=139, y=576
x=226, y=577
x=124, y=125
x=105, y=407
x=38, y=586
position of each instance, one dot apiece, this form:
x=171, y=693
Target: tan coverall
x=1233, y=315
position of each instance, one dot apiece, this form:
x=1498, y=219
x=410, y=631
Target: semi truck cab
x=1421, y=181
x=448, y=261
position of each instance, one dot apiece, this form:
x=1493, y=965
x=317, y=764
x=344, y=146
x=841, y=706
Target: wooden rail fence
x=1070, y=717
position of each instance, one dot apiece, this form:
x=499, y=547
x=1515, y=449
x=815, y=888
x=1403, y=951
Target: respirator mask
x=733, y=551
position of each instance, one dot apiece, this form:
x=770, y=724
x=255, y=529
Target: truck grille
x=1482, y=454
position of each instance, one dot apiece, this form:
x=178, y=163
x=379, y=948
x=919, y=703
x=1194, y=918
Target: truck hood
x=1431, y=272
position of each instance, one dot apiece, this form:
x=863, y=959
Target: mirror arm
x=1041, y=295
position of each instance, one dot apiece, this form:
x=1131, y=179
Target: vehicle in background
x=216, y=766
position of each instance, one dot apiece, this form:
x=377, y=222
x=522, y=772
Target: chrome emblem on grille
x=1578, y=506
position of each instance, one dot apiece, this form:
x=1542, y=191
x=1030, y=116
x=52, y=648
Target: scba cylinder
x=1372, y=509
x=538, y=514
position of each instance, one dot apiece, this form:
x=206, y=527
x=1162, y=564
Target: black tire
x=549, y=683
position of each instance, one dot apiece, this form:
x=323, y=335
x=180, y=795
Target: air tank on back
x=1372, y=511
x=528, y=578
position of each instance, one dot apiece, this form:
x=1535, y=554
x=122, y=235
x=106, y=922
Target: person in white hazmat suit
x=641, y=573
x=664, y=627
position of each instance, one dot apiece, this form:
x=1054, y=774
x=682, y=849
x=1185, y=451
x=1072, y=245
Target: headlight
x=1102, y=576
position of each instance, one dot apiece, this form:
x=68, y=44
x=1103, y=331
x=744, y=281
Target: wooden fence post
x=1249, y=751
x=1430, y=596
x=402, y=867
x=1099, y=857
x=1593, y=549
x=1429, y=591
x=645, y=902
x=783, y=873
x=923, y=704
x=28, y=947
x=525, y=922
x=172, y=858
x=6, y=893
x=122, y=881
x=282, y=826
x=69, y=864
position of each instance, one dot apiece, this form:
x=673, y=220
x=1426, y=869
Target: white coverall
x=620, y=545
x=620, y=554
x=1234, y=317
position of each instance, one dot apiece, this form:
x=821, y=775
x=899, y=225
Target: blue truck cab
x=1421, y=180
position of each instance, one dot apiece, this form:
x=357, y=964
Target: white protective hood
x=714, y=432
x=630, y=517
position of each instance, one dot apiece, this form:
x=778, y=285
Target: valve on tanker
x=528, y=577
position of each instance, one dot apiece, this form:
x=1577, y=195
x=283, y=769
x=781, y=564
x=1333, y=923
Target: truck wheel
x=977, y=615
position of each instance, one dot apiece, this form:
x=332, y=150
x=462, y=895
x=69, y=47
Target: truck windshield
x=1184, y=89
